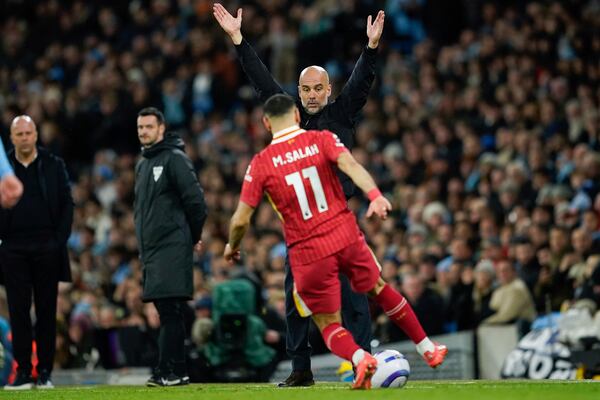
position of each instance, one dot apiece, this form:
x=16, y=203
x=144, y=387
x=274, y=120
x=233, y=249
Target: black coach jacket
x=339, y=116
x=54, y=184
x=169, y=213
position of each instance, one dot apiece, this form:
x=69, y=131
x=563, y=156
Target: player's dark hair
x=278, y=105
x=160, y=118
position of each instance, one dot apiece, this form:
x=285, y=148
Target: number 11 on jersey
x=312, y=175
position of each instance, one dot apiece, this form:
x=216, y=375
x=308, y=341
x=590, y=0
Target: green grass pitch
x=430, y=390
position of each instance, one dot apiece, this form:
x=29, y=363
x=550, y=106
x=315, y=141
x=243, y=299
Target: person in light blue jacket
x=6, y=356
x=11, y=188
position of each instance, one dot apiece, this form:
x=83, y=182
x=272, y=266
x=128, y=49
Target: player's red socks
x=401, y=313
x=339, y=340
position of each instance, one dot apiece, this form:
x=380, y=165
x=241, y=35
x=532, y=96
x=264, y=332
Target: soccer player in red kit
x=297, y=172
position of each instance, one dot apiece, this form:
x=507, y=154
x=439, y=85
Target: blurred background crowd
x=483, y=128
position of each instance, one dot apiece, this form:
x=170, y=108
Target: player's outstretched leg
x=401, y=313
x=341, y=343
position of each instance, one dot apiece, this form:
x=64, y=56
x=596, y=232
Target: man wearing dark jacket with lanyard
x=33, y=251
x=169, y=215
x=317, y=113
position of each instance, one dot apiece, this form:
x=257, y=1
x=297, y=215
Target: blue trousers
x=355, y=317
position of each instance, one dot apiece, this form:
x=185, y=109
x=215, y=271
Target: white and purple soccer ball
x=392, y=370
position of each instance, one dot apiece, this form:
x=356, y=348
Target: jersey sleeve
x=332, y=145
x=5, y=167
x=252, y=188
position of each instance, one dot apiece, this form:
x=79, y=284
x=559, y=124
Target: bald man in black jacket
x=33, y=251
x=338, y=116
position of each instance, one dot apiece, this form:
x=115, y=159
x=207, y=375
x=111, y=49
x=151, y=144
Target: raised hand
x=232, y=26
x=375, y=29
x=380, y=207
x=11, y=190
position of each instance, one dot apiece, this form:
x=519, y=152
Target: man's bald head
x=314, y=88
x=22, y=119
x=23, y=135
x=312, y=74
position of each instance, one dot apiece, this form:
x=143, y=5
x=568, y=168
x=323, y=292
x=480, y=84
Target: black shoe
x=155, y=381
x=44, y=381
x=174, y=380
x=23, y=381
x=169, y=380
x=298, y=378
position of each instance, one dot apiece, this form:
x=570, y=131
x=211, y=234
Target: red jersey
x=297, y=172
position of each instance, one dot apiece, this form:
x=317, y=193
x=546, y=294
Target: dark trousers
x=27, y=272
x=171, y=337
x=355, y=317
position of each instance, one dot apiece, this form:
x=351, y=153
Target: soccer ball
x=392, y=370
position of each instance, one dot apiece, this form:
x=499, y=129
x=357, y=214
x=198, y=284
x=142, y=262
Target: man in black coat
x=33, y=251
x=316, y=112
x=169, y=215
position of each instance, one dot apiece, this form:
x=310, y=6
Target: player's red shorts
x=317, y=285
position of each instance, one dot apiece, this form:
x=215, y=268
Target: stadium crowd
x=485, y=132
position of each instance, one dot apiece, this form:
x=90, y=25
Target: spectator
x=482, y=291
x=527, y=265
x=511, y=301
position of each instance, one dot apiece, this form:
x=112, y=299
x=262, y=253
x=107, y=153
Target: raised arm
x=379, y=205
x=354, y=94
x=258, y=74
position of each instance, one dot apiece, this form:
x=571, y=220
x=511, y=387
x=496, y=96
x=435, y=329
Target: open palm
x=229, y=24
x=375, y=29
